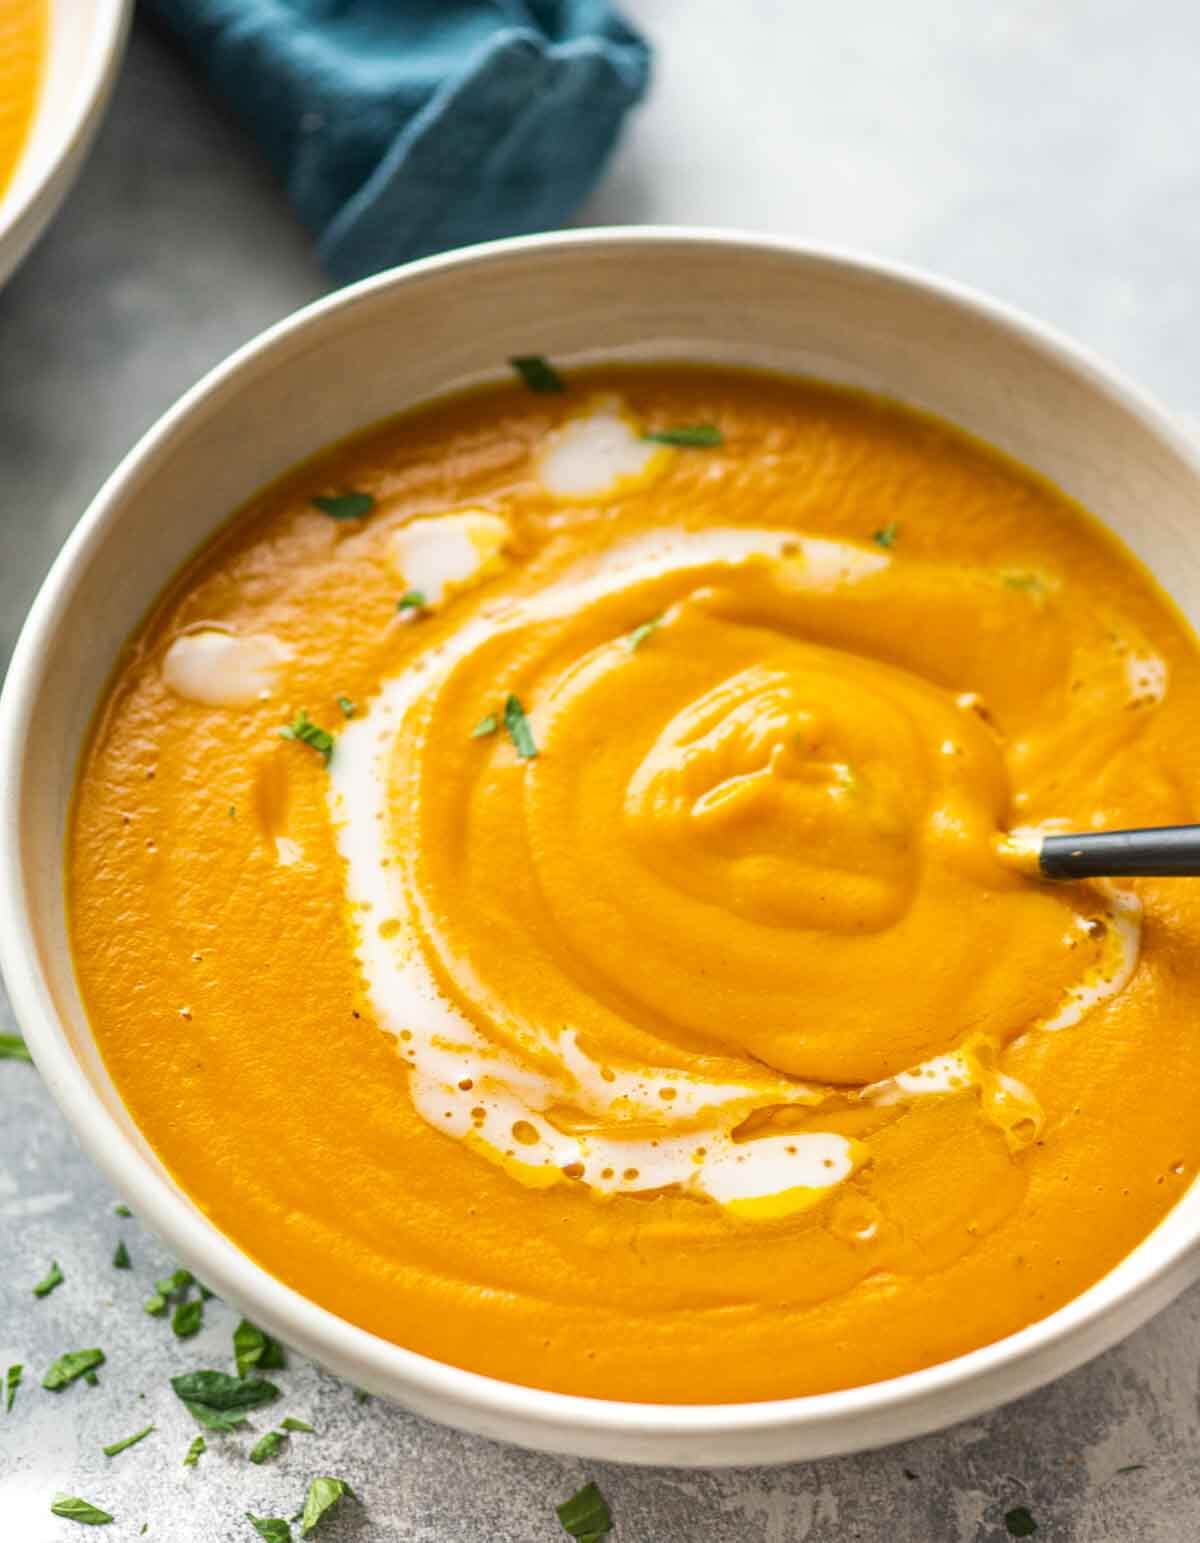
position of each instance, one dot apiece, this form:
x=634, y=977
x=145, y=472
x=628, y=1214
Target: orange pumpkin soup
x=537, y=881
x=22, y=46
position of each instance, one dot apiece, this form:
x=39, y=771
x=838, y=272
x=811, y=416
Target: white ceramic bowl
x=83, y=51
x=399, y=339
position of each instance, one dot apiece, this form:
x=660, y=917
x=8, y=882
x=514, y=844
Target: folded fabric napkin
x=402, y=127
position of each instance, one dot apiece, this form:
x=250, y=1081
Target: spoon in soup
x=1161, y=851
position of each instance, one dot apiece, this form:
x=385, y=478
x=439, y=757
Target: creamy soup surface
x=537, y=880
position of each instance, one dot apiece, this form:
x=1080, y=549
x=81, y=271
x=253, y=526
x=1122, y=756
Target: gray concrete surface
x=1047, y=150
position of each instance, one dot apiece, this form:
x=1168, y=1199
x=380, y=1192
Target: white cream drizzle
x=596, y=451
x=222, y=669
x=445, y=553
x=1146, y=672
x=1118, y=959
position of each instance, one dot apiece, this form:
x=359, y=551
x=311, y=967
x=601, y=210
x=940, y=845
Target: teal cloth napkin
x=402, y=127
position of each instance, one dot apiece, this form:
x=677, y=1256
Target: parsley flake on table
x=586, y=1515
x=75, y=1363
x=76, y=1510
x=253, y=1349
x=345, y=506
x=129, y=1441
x=291, y=1423
x=347, y=706
x=639, y=634
x=538, y=374
x=411, y=600
x=485, y=726
x=121, y=1259
x=155, y=1305
x=323, y=1495
x=1019, y=1523
x=54, y=1277
x=195, y=1452
x=267, y=1446
x=12, y=1381
x=273, y=1528
x=303, y=729
x=688, y=436
x=220, y=1401
x=170, y=1284
x=518, y=728
x=13, y=1048
x=188, y=1319
x=886, y=535
x=122, y=1210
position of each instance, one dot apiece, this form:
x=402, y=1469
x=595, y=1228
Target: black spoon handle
x=1161, y=851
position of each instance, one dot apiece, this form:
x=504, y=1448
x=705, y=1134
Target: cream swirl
x=748, y=882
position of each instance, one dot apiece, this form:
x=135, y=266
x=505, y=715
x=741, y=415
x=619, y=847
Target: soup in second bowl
x=23, y=26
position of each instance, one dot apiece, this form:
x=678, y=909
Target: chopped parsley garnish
x=130, y=1441
x=122, y=1210
x=639, y=634
x=291, y=1423
x=361, y=1396
x=121, y=1259
x=1019, y=1523
x=75, y=1363
x=518, y=728
x=485, y=726
x=12, y=1381
x=54, y=1277
x=205, y=1294
x=220, y=1401
x=345, y=506
x=323, y=1495
x=188, y=1318
x=76, y=1510
x=538, y=374
x=411, y=600
x=253, y=1350
x=347, y=706
x=170, y=1284
x=1132, y=1468
x=273, y=1528
x=1018, y=579
x=586, y=1515
x=13, y=1048
x=195, y=1452
x=267, y=1446
x=692, y=436
x=886, y=535
x=155, y=1305
x=302, y=728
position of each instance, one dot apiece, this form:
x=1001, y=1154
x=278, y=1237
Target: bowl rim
x=48, y=176
x=981, y=1378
